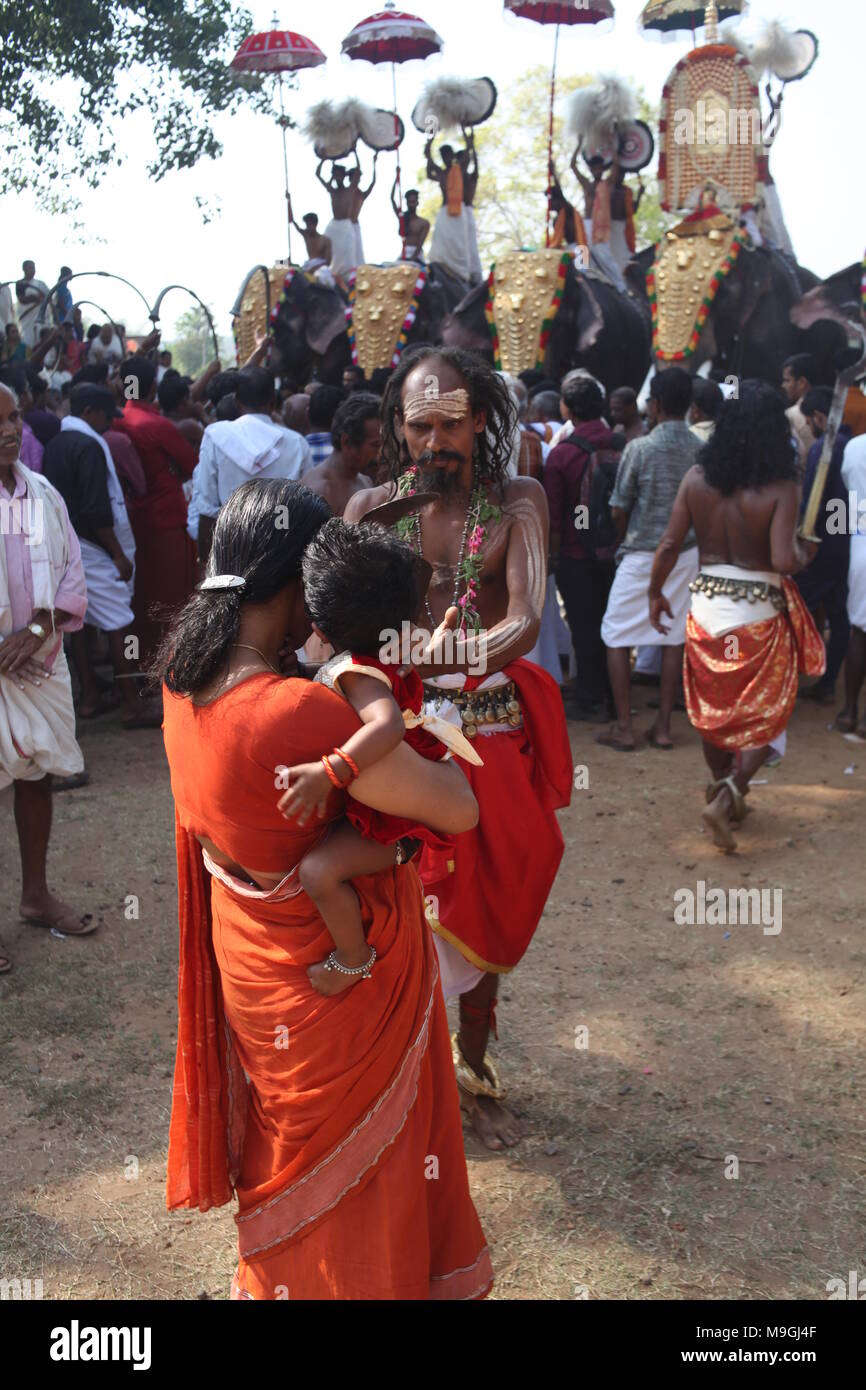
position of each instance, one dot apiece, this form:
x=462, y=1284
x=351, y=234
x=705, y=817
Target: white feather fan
x=596, y=113
x=336, y=125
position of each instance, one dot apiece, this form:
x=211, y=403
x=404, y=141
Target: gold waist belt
x=750, y=590
x=478, y=707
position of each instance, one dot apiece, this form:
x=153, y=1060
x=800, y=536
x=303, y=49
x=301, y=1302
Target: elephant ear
x=325, y=318
x=590, y=318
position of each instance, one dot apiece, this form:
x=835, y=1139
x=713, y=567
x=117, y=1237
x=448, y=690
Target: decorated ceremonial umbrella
x=392, y=36
x=669, y=16
x=278, y=51
x=558, y=12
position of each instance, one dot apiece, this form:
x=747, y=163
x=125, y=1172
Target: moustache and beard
x=439, y=480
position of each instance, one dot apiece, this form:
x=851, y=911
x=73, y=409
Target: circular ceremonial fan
x=636, y=146
x=382, y=130
x=454, y=103
x=336, y=149
x=804, y=51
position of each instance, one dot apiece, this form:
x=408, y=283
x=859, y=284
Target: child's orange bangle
x=326, y=763
x=350, y=762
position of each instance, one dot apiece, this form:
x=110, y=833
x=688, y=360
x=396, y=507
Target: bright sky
x=152, y=233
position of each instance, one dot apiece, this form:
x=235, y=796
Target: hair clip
x=223, y=581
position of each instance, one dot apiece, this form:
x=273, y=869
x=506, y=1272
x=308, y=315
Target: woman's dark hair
x=751, y=445
x=260, y=535
x=352, y=416
x=487, y=391
x=359, y=583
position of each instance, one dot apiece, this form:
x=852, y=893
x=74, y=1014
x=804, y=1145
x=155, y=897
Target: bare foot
x=44, y=910
x=615, y=738
x=329, y=982
x=657, y=738
x=716, y=819
x=845, y=723
x=495, y=1126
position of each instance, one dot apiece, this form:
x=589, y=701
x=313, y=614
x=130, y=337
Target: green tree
x=73, y=70
x=191, y=347
x=510, y=205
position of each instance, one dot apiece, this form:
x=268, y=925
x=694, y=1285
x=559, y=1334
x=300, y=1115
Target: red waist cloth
x=743, y=696
x=490, y=890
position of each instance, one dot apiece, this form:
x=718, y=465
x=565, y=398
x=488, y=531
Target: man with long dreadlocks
x=448, y=428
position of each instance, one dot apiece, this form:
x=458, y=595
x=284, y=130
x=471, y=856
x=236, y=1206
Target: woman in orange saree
x=334, y=1120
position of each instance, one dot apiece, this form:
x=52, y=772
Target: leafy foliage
x=73, y=70
x=512, y=154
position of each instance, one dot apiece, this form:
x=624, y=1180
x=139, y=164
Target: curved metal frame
x=104, y=274
x=154, y=312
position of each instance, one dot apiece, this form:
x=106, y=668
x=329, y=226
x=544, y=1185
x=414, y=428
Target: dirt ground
x=703, y=1043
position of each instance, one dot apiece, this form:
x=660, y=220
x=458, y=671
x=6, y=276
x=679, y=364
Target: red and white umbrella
x=392, y=36
x=274, y=53
x=559, y=12
x=277, y=50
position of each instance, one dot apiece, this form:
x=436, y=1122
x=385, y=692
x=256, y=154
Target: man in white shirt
x=106, y=346
x=253, y=446
x=30, y=294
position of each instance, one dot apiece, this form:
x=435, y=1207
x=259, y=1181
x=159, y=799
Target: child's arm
x=382, y=732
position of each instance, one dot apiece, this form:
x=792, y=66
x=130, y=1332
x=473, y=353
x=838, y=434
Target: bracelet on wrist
x=359, y=970
x=332, y=776
x=350, y=763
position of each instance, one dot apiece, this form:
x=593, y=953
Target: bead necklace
x=469, y=565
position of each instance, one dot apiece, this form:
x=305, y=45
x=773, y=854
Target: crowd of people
x=212, y=537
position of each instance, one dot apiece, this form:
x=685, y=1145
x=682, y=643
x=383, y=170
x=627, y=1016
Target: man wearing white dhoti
x=455, y=238
x=31, y=295
x=79, y=464
x=347, y=200
x=647, y=482
x=42, y=594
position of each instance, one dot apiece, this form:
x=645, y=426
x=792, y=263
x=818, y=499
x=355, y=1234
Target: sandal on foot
x=470, y=1081
x=608, y=739
x=83, y=924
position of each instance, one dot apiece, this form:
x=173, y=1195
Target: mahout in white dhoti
x=455, y=245
x=345, y=238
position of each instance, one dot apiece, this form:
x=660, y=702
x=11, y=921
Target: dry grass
x=700, y=1046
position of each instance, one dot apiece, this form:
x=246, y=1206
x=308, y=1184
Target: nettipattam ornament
x=690, y=265
x=525, y=293
x=383, y=304
x=251, y=323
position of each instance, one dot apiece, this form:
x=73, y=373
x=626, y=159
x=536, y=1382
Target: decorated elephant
x=318, y=326
x=545, y=313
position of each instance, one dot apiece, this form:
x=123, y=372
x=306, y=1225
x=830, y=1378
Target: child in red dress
x=360, y=587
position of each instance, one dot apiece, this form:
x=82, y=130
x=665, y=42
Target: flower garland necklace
x=469, y=562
